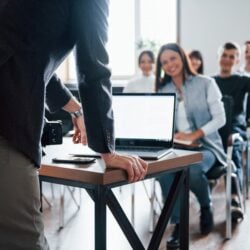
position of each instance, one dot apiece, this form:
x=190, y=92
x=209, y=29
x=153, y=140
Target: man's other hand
x=80, y=135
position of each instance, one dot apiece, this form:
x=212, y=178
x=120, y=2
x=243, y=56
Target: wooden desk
x=99, y=182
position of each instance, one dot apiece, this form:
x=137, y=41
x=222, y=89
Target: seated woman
x=200, y=113
x=197, y=61
x=145, y=82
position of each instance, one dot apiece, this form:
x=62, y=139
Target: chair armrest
x=232, y=138
x=216, y=171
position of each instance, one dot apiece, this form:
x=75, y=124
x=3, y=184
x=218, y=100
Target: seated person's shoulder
x=132, y=84
x=203, y=79
x=240, y=79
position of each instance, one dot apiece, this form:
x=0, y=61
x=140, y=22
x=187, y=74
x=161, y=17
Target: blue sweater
x=204, y=109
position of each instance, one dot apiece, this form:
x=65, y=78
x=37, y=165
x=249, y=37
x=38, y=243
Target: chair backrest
x=226, y=130
x=218, y=170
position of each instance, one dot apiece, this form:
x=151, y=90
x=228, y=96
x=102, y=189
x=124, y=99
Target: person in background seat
x=236, y=86
x=145, y=82
x=200, y=113
x=197, y=61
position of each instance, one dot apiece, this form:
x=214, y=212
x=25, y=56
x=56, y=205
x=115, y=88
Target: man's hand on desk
x=135, y=167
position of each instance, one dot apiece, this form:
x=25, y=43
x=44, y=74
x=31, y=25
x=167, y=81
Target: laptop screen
x=144, y=119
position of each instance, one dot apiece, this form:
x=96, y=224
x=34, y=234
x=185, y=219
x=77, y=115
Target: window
x=121, y=44
x=129, y=22
x=159, y=20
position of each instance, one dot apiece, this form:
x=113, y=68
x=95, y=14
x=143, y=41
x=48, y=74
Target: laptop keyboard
x=141, y=149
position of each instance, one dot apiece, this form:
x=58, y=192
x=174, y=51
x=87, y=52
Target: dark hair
x=197, y=55
x=146, y=52
x=247, y=42
x=228, y=46
x=187, y=69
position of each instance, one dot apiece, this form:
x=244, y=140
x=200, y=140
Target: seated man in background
x=236, y=86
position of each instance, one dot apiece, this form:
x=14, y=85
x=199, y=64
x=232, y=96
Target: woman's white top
x=182, y=124
x=141, y=84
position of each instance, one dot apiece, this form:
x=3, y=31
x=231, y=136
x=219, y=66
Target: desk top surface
x=96, y=173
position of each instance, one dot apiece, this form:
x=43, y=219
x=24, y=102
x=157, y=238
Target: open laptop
x=144, y=124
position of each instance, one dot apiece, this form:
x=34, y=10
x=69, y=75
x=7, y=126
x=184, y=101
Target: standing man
x=35, y=37
x=236, y=86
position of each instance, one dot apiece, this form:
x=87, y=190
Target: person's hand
x=74, y=108
x=80, y=135
x=135, y=167
x=184, y=136
x=192, y=136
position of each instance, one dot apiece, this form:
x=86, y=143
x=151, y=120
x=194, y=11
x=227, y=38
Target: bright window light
x=129, y=22
x=159, y=20
x=121, y=43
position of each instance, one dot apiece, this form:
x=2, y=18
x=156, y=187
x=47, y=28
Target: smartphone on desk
x=74, y=160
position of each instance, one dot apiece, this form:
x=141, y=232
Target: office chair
x=218, y=170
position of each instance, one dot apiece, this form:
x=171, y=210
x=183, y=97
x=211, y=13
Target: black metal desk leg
x=100, y=218
x=123, y=221
x=167, y=210
x=184, y=217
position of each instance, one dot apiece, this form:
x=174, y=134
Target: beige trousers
x=21, y=226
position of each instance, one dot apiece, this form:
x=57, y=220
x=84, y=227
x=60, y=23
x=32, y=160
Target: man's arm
x=59, y=97
x=89, y=27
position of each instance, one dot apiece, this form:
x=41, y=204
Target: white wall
x=207, y=24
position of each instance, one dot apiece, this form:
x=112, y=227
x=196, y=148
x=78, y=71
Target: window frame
x=64, y=68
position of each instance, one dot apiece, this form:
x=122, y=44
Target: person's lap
x=198, y=183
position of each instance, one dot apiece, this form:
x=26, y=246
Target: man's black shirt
x=236, y=86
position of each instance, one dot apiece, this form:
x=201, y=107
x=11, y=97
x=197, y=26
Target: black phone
x=73, y=159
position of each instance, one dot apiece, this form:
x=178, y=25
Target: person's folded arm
x=57, y=95
x=216, y=109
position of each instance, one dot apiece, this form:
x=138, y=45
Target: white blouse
x=141, y=84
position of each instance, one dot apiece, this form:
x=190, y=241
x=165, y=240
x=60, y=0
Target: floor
x=78, y=231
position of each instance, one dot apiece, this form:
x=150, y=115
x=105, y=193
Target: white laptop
x=144, y=124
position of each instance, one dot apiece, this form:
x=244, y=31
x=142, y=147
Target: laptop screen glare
x=144, y=116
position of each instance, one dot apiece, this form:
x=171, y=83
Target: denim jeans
x=237, y=158
x=197, y=180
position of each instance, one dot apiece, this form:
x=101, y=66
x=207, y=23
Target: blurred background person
x=197, y=61
x=246, y=67
x=143, y=83
x=237, y=86
x=245, y=70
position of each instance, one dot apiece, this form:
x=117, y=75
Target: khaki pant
x=21, y=226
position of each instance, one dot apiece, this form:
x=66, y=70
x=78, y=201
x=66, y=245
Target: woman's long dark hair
x=146, y=52
x=197, y=55
x=187, y=69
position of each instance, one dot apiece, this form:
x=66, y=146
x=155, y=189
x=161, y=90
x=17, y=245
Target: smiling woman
x=199, y=114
